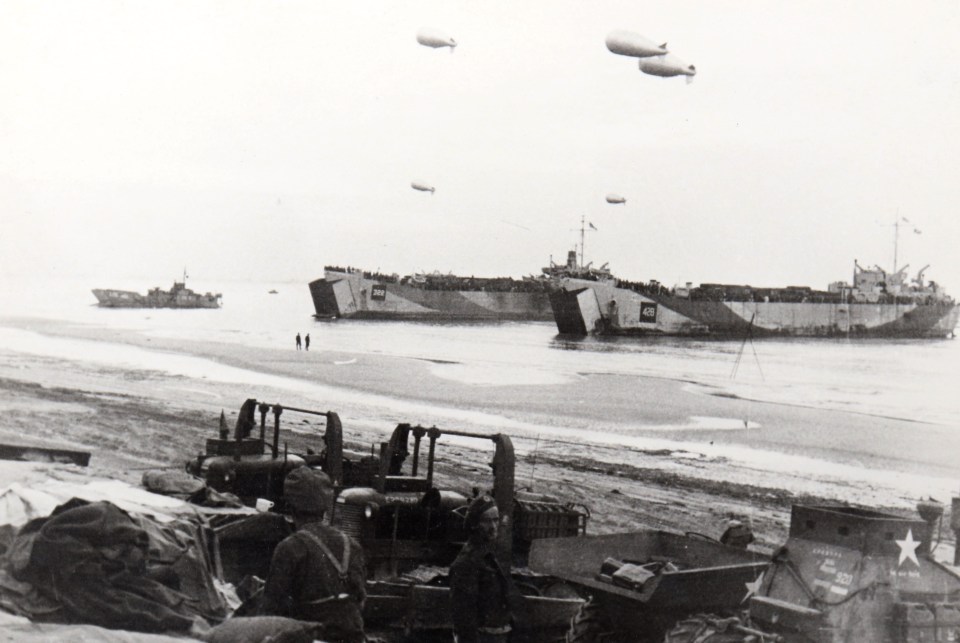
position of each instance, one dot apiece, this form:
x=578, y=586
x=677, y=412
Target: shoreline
x=133, y=418
x=636, y=402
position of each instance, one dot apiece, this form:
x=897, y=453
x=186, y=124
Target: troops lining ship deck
x=353, y=293
x=878, y=304
x=177, y=297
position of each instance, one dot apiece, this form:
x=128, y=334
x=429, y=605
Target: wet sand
x=133, y=419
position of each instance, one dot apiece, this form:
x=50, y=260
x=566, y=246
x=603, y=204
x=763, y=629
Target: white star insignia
x=752, y=588
x=908, y=549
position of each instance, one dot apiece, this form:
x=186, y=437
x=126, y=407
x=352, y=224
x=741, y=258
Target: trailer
x=639, y=584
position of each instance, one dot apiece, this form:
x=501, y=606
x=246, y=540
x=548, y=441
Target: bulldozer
x=251, y=467
x=411, y=531
x=846, y=575
x=410, y=528
x=405, y=504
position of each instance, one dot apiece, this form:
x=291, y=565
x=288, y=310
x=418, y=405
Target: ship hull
x=108, y=298
x=583, y=308
x=353, y=296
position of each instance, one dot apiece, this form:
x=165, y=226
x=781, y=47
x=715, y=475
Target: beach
x=139, y=400
x=739, y=305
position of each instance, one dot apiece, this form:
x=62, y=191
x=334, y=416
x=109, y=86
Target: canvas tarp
x=96, y=564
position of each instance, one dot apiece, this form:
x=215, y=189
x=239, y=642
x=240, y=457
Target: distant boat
x=177, y=297
x=272, y=292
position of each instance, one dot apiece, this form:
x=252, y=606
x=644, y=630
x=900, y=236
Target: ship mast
x=583, y=219
x=896, y=240
x=896, y=235
x=583, y=235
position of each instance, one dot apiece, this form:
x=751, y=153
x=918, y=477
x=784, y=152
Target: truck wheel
x=585, y=626
x=559, y=589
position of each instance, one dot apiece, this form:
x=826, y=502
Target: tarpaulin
x=176, y=483
x=21, y=503
x=102, y=566
x=27, y=632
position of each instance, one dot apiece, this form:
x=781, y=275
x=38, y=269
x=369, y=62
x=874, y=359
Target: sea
x=915, y=381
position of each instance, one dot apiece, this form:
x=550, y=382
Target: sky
x=262, y=140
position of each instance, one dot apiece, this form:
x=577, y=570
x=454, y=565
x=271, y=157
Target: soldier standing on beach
x=298, y=341
x=479, y=587
x=306, y=342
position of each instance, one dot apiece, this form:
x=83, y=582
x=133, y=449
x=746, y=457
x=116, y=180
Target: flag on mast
x=593, y=227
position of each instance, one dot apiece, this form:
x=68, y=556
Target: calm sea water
x=910, y=379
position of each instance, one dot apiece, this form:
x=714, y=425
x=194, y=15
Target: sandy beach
x=133, y=419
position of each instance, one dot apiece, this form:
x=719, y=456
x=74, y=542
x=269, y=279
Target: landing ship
x=877, y=304
x=358, y=294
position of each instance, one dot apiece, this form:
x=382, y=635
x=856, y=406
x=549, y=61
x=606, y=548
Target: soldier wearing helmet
x=737, y=535
x=317, y=573
x=479, y=587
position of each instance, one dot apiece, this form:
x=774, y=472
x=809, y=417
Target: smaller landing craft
x=177, y=297
x=616, y=199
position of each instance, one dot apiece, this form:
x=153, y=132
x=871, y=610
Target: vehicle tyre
x=527, y=589
x=560, y=589
x=586, y=625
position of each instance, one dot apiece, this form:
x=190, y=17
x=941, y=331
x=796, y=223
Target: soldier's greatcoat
x=479, y=593
x=310, y=571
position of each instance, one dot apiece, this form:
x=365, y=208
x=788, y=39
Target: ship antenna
x=896, y=239
x=583, y=234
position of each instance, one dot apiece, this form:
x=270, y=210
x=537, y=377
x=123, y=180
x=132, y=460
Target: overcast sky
x=263, y=140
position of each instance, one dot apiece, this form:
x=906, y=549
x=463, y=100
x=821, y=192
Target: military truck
x=846, y=575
